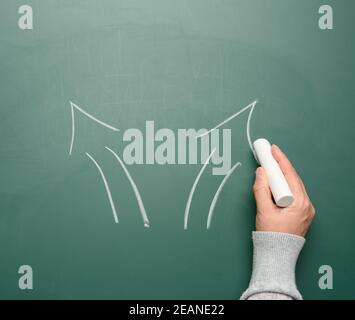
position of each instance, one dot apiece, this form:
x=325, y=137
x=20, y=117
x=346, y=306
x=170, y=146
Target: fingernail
x=258, y=172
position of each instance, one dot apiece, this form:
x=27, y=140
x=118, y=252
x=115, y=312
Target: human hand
x=294, y=219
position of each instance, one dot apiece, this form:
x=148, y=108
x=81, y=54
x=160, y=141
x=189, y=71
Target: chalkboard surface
x=93, y=74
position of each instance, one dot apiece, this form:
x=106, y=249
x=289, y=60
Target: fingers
x=288, y=170
x=262, y=192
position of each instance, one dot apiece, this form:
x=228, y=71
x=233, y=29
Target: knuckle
x=310, y=209
x=307, y=205
x=256, y=187
x=313, y=211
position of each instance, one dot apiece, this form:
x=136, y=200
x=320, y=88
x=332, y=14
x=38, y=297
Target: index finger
x=288, y=170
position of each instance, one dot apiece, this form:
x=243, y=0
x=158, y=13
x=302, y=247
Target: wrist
x=274, y=262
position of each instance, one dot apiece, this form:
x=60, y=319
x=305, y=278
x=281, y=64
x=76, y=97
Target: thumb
x=262, y=192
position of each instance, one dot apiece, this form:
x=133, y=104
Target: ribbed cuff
x=274, y=262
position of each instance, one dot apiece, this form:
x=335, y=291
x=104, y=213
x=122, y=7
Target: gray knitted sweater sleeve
x=274, y=262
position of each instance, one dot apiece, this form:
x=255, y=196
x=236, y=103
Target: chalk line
x=134, y=187
x=189, y=200
x=216, y=195
x=72, y=106
x=248, y=132
x=72, y=130
x=251, y=105
x=106, y=187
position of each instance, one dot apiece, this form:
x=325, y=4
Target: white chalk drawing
x=215, y=197
x=249, y=106
x=72, y=106
x=106, y=187
x=72, y=129
x=134, y=187
x=189, y=199
x=248, y=130
x=143, y=212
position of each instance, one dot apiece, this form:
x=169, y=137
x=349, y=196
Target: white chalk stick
x=279, y=187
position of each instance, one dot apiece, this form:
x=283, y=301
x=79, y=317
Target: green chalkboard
x=93, y=74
